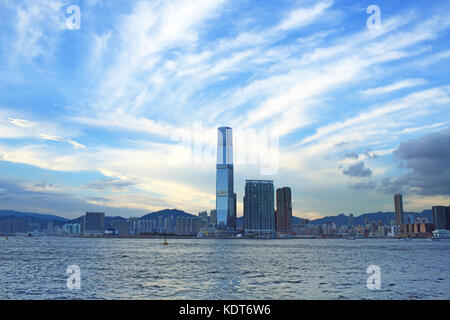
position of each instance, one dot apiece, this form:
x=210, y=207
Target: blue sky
x=89, y=118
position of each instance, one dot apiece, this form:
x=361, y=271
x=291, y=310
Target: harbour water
x=35, y=268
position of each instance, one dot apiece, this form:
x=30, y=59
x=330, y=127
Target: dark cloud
x=351, y=155
x=357, y=170
x=370, y=155
x=428, y=161
x=363, y=185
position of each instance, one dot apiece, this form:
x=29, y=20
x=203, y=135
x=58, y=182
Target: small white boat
x=441, y=234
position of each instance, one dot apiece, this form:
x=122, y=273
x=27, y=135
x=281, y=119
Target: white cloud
x=38, y=24
x=407, y=83
x=304, y=16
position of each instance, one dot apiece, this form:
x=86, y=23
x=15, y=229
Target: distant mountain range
x=41, y=219
x=149, y=216
x=339, y=220
x=385, y=217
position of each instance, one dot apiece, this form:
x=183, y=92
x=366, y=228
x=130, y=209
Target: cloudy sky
x=111, y=115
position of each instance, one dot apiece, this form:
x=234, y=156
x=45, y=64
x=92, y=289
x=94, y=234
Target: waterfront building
x=160, y=224
x=350, y=219
x=398, y=203
x=71, y=228
x=203, y=215
x=213, y=218
x=284, y=210
x=121, y=226
x=133, y=225
x=93, y=224
x=50, y=229
x=259, y=213
x=225, y=196
x=441, y=217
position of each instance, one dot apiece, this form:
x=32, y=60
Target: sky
x=116, y=108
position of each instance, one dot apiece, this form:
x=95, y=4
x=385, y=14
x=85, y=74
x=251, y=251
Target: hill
x=166, y=213
x=385, y=217
x=342, y=219
x=17, y=214
x=29, y=218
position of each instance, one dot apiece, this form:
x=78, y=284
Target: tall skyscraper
x=441, y=217
x=284, y=210
x=398, y=202
x=259, y=213
x=93, y=223
x=225, y=196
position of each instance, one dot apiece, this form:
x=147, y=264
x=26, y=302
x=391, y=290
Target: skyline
x=89, y=117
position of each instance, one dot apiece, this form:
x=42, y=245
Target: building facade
x=225, y=196
x=93, y=224
x=350, y=220
x=441, y=217
x=213, y=218
x=259, y=213
x=398, y=202
x=121, y=226
x=284, y=210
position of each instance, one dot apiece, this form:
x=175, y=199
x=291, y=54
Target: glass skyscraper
x=225, y=196
x=259, y=213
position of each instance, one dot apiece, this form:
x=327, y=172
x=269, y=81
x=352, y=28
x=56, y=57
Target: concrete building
x=398, y=203
x=213, y=218
x=284, y=210
x=203, y=215
x=259, y=213
x=121, y=226
x=93, y=224
x=441, y=217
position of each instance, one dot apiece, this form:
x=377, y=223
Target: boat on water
x=440, y=234
x=165, y=243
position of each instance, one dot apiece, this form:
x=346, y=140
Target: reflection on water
x=35, y=268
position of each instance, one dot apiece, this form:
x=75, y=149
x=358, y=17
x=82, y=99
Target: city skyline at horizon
x=93, y=119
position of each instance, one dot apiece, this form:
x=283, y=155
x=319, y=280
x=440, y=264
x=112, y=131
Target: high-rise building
x=203, y=216
x=50, y=229
x=179, y=225
x=259, y=213
x=441, y=217
x=398, y=202
x=133, y=225
x=225, y=196
x=93, y=223
x=122, y=226
x=284, y=210
x=187, y=225
x=160, y=224
x=350, y=219
x=213, y=218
